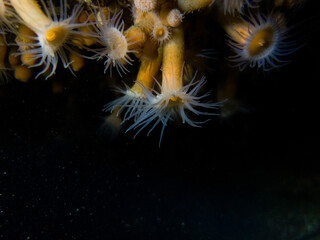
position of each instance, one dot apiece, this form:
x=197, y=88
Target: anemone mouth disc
x=117, y=44
x=261, y=42
x=159, y=32
x=56, y=36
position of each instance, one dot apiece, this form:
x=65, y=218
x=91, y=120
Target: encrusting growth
x=174, y=99
x=35, y=33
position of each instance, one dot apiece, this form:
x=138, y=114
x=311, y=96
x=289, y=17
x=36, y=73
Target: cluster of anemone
x=46, y=34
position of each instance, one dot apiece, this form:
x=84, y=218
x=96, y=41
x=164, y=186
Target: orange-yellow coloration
x=13, y=59
x=173, y=59
x=84, y=39
x=237, y=30
x=22, y=73
x=31, y=13
x=77, y=62
x=169, y=15
x=261, y=41
x=56, y=35
x=23, y=38
x=136, y=36
x=138, y=15
x=146, y=24
x=28, y=59
x=150, y=65
x=159, y=32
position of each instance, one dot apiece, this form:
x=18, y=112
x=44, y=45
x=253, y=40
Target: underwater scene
x=159, y=119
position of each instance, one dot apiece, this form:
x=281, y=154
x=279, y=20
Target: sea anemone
x=262, y=41
x=160, y=32
x=116, y=46
x=134, y=99
x=174, y=98
x=52, y=33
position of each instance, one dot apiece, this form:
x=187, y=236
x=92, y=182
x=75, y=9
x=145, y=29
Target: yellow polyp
x=240, y=31
x=149, y=67
x=261, y=41
x=56, y=35
x=173, y=59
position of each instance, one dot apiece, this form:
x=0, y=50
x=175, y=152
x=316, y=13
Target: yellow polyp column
x=149, y=67
x=234, y=26
x=173, y=60
x=191, y=5
x=137, y=33
x=31, y=13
